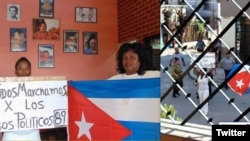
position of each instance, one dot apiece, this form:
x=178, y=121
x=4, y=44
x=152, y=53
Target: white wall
x=229, y=36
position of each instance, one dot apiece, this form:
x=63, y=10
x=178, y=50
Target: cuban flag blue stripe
x=237, y=66
x=248, y=91
x=119, y=88
x=233, y=70
x=142, y=131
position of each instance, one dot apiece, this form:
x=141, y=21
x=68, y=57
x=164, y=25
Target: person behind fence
x=177, y=54
x=227, y=64
x=22, y=68
x=132, y=63
x=200, y=45
x=176, y=72
x=210, y=72
x=203, y=89
x=218, y=51
x=213, y=47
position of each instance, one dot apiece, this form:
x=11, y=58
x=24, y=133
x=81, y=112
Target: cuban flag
x=240, y=83
x=114, y=110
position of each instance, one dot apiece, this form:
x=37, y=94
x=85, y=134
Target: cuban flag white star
x=239, y=83
x=84, y=127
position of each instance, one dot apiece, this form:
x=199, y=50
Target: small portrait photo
x=86, y=14
x=90, y=43
x=46, y=8
x=18, y=39
x=46, y=29
x=70, y=43
x=13, y=12
x=46, y=56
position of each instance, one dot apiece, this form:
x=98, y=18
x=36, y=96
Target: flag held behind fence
x=240, y=83
x=114, y=109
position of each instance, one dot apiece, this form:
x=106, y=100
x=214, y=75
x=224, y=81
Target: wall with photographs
x=66, y=21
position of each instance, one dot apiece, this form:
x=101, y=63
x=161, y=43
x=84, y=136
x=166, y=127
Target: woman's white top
x=202, y=82
x=148, y=74
x=22, y=135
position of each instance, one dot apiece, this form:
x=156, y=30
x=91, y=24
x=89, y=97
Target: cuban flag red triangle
x=240, y=83
x=88, y=122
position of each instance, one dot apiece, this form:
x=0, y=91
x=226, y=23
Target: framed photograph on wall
x=70, y=41
x=90, y=42
x=45, y=56
x=46, y=29
x=86, y=14
x=18, y=39
x=46, y=8
x=13, y=12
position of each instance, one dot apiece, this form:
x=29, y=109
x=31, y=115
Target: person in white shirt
x=22, y=68
x=132, y=63
x=203, y=89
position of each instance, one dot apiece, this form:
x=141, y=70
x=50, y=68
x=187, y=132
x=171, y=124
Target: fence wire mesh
x=177, y=18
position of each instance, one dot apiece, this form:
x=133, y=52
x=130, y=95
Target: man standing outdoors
x=200, y=45
x=176, y=73
x=176, y=70
x=227, y=64
x=177, y=54
x=13, y=13
x=218, y=51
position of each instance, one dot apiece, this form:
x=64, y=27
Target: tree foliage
x=170, y=112
x=199, y=28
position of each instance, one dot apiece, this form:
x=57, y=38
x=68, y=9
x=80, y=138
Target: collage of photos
x=46, y=27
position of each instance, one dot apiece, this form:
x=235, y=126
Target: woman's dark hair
x=137, y=48
x=39, y=23
x=92, y=36
x=22, y=59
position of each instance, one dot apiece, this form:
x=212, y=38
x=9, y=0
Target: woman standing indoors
x=132, y=63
